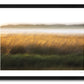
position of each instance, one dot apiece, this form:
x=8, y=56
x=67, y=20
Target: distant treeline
x=40, y=25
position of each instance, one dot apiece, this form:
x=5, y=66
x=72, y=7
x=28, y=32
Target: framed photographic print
x=41, y=42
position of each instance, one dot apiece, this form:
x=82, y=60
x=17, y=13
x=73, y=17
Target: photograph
x=42, y=39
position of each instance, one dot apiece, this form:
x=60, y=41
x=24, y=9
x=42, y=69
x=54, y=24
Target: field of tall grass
x=42, y=51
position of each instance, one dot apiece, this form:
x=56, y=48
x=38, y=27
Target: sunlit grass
x=41, y=44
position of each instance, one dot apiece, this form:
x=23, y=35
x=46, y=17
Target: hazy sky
x=41, y=15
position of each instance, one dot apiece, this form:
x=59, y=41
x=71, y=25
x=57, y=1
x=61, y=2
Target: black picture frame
x=41, y=77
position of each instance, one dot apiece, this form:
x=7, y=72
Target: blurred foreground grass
x=42, y=62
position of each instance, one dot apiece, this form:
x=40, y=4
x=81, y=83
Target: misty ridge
x=42, y=26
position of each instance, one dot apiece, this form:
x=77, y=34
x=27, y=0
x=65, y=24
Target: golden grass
x=41, y=43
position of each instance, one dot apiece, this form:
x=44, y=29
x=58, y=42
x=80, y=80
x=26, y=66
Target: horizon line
x=41, y=24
